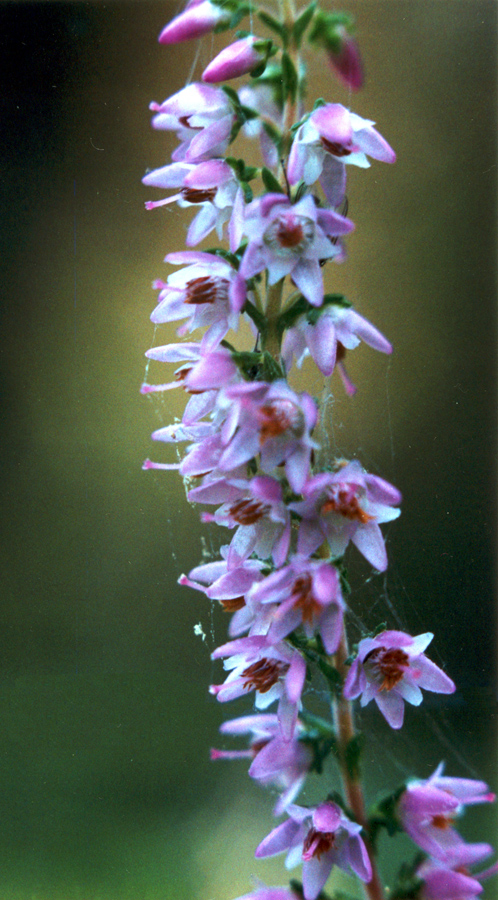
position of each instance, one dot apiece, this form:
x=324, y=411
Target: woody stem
x=345, y=731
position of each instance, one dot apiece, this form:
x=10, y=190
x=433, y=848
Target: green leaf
x=302, y=22
x=332, y=675
x=274, y=135
x=270, y=182
x=300, y=191
x=385, y=815
x=288, y=318
x=247, y=191
x=352, y=755
x=257, y=317
x=276, y=26
x=407, y=885
x=226, y=255
x=289, y=76
x=232, y=96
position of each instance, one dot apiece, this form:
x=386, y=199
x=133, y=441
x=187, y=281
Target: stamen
x=302, y=594
x=206, y=289
x=195, y=195
x=247, y=512
x=388, y=664
x=345, y=501
x=263, y=674
x=335, y=148
x=233, y=604
x=277, y=417
x=317, y=842
x=289, y=234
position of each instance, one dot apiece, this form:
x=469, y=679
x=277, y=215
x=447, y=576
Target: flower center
x=388, y=665
x=442, y=822
x=335, y=148
x=196, y=195
x=247, y=512
x=206, y=290
x=302, y=594
x=263, y=674
x=278, y=417
x=317, y=842
x=289, y=235
x=233, y=604
x=343, y=499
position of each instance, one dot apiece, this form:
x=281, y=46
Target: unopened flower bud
x=238, y=59
x=195, y=21
x=346, y=61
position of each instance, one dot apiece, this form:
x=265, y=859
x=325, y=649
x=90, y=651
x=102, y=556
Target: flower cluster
x=251, y=440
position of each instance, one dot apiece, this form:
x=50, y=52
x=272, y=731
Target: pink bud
x=235, y=60
x=346, y=62
x=195, y=21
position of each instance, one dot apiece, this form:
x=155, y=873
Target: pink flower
x=197, y=19
x=291, y=239
x=202, y=117
x=203, y=293
x=271, y=421
x=347, y=505
x=230, y=586
x=390, y=669
x=238, y=59
x=274, y=672
x=306, y=593
x=210, y=186
x=455, y=883
x=276, y=762
x=427, y=810
x=337, y=329
x=320, y=837
x=256, y=508
x=331, y=138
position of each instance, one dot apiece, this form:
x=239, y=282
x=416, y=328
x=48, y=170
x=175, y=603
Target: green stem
x=272, y=337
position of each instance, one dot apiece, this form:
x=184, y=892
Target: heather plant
x=250, y=459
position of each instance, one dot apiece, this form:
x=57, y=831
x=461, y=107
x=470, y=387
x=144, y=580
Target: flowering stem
x=272, y=338
x=345, y=731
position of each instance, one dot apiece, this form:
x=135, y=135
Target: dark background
x=106, y=789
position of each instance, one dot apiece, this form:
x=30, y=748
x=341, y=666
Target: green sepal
x=302, y=22
x=270, y=182
x=327, y=30
x=276, y=26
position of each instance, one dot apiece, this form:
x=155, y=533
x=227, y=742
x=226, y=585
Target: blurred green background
x=106, y=788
